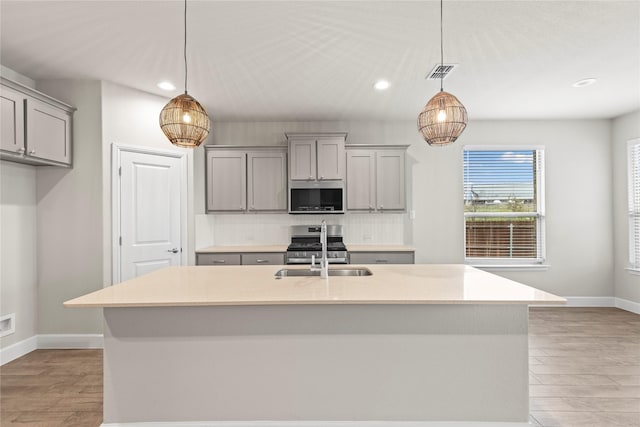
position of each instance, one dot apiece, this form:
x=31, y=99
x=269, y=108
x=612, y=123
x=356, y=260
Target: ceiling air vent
x=440, y=71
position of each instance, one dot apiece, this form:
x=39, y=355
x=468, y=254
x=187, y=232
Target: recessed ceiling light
x=166, y=86
x=584, y=82
x=381, y=85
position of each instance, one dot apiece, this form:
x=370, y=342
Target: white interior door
x=151, y=212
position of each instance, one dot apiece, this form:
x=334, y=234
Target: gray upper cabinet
x=376, y=178
x=36, y=129
x=267, y=180
x=316, y=157
x=246, y=179
x=226, y=181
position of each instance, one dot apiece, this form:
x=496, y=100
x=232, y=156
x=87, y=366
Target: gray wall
x=18, y=255
x=627, y=284
x=70, y=217
x=578, y=190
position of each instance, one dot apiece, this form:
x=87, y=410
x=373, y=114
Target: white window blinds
x=504, y=204
x=633, y=154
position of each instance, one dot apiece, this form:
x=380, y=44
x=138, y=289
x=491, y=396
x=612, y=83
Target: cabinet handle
x=173, y=251
x=32, y=152
x=322, y=177
x=20, y=150
x=381, y=208
x=218, y=261
x=310, y=177
x=262, y=261
x=381, y=261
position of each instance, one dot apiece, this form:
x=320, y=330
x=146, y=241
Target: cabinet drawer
x=262, y=258
x=381, y=258
x=218, y=259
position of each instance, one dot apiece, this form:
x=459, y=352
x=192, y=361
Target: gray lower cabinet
x=376, y=178
x=262, y=258
x=246, y=179
x=248, y=258
x=382, y=257
x=218, y=259
x=36, y=129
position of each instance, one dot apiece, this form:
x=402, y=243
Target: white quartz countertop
x=256, y=285
x=242, y=249
x=283, y=248
x=380, y=248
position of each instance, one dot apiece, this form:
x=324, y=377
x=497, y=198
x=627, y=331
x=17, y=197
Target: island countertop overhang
x=256, y=285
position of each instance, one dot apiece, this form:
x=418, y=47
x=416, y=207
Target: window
x=504, y=205
x=633, y=154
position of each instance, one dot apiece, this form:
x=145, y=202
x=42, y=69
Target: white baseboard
x=67, y=341
x=591, y=301
x=322, y=424
x=18, y=349
x=50, y=341
x=625, y=304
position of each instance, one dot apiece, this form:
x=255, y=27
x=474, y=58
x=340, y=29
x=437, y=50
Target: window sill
x=633, y=270
x=519, y=267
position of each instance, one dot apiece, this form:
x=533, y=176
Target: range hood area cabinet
x=36, y=129
x=376, y=178
x=316, y=157
x=246, y=179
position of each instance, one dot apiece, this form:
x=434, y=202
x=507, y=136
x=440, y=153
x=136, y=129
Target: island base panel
x=316, y=362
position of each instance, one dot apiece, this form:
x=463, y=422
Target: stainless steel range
x=305, y=244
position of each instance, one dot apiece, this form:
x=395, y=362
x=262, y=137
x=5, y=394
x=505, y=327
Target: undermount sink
x=295, y=272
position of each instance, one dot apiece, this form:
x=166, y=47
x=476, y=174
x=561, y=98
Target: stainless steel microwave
x=316, y=197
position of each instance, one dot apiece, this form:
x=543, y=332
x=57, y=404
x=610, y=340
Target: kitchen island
x=218, y=345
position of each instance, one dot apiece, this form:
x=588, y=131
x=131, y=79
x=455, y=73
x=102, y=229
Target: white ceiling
x=318, y=60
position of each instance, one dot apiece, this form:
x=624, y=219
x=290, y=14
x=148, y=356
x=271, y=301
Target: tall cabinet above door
x=246, y=178
x=316, y=157
x=36, y=129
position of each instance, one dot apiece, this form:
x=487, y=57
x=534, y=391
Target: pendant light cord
x=441, y=50
x=185, y=47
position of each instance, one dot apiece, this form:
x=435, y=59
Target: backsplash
x=268, y=229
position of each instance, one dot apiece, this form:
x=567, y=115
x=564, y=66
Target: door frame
x=116, y=163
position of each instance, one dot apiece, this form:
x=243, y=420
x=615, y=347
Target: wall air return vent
x=441, y=71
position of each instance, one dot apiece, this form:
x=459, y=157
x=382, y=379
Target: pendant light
x=183, y=120
x=443, y=118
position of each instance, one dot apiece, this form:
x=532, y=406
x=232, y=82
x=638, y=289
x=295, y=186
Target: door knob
x=173, y=251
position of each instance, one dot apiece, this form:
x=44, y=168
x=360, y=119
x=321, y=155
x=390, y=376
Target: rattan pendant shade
x=184, y=121
x=442, y=119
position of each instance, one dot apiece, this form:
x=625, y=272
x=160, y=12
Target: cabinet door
x=390, y=180
x=226, y=181
x=48, y=132
x=381, y=257
x=330, y=158
x=217, y=259
x=262, y=258
x=302, y=159
x=361, y=179
x=12, y=119
x=267, y=181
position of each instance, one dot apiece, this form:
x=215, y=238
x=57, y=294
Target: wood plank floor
x=584, y=370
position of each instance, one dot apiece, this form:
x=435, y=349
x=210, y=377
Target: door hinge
x=120, y=240
x=120, y=171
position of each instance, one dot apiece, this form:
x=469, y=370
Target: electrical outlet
x=7, y=324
